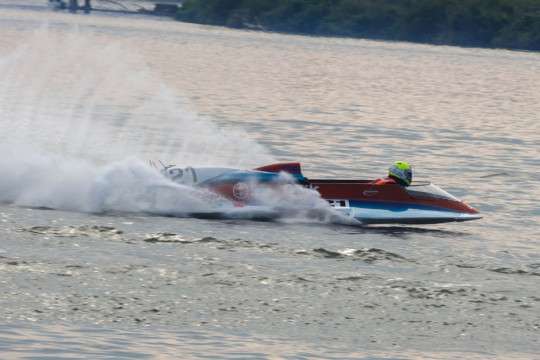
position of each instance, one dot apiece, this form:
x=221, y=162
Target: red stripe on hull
x=359, y=190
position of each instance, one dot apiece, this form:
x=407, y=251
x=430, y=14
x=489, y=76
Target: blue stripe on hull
x=255, y=176
x=395, y=206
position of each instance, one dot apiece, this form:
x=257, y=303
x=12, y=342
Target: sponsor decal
x=370, y=192
x=338, y=203
x=238, y=204
x=241, y=191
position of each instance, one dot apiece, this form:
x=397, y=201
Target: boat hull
x=405, y=215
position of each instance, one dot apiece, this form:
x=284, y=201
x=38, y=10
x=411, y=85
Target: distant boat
x=254, y=27
x=56, y=4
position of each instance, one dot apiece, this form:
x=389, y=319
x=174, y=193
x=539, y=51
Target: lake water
x=97, y=262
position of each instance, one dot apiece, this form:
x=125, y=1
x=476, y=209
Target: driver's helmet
x=402, y=171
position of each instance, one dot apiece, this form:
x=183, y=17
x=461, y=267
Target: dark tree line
x=513, y=24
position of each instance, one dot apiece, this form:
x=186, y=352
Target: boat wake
x=29, y=178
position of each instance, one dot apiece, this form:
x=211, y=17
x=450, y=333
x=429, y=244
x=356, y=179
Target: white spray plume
x=297, y=203
x=30, y=179
x=74, y=95
x=77, y=116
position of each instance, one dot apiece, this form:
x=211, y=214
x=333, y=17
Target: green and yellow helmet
x=402, y=171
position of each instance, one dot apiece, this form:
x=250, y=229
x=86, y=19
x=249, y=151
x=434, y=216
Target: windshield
x=431, y=190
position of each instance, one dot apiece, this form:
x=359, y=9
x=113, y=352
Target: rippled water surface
x=98, y=259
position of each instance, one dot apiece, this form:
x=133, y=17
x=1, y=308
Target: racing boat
x=419, y=203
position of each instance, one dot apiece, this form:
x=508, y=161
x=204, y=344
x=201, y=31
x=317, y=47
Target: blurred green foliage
x=513, y=24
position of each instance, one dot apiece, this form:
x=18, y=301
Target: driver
x=399, y=173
